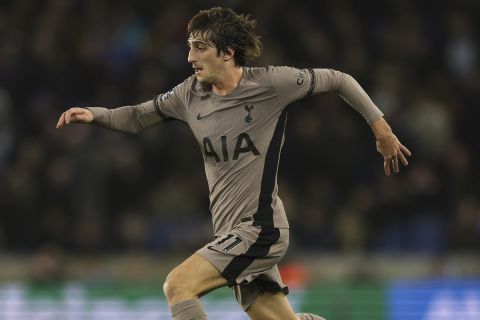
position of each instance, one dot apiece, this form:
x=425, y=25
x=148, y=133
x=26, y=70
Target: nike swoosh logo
x=199, y=117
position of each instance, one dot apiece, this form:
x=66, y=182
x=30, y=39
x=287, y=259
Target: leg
x=240, y=256
x=186, y=283
x=191, y=279
x=273, y=306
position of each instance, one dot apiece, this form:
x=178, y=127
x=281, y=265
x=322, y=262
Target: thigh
x=197, y=275
x=271, y=306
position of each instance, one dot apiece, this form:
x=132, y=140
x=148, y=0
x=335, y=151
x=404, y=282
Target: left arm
x=292, y=84
x=348, y=88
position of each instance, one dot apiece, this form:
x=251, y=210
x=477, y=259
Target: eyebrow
x=191, y=42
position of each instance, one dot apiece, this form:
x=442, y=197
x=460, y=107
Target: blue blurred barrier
x=434, y=300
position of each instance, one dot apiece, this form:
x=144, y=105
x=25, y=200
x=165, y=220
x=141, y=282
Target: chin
x=203, y=80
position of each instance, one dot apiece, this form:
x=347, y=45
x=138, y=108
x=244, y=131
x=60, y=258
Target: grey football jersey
x=241, y=136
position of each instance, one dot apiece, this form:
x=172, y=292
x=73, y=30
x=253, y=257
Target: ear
x=228, y=54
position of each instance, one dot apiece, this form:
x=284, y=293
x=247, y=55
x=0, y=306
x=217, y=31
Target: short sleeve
x=292, y=84
x=172, y=104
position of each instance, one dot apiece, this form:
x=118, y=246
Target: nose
x=191, y=57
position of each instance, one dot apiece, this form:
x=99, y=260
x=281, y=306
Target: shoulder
x=179, y=89
x=188, y=84
x=259, y=72
x=276, y=73
x=178, y=94
x=183, y=90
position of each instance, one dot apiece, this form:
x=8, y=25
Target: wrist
x=380, y=128
x=95, y=114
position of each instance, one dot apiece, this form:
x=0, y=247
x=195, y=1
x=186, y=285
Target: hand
x=75, y=115
x=389, y=147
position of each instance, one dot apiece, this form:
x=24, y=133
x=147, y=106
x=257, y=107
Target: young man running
x=238, y=115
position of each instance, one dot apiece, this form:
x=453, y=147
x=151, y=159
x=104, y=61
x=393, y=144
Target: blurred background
x=92, y=220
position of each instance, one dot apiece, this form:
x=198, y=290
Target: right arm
x=132, y=119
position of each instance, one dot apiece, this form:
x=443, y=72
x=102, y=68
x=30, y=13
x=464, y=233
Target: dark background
x=89, y=190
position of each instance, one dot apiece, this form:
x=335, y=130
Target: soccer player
x=238, y=115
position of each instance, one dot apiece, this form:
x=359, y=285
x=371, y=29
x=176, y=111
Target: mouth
x=197, y=70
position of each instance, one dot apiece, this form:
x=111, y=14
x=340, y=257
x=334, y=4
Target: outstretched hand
x=75, y=115
x=389, y=147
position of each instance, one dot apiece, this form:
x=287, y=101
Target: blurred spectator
x=465, y=227
x=461, y=48
x=6, y=127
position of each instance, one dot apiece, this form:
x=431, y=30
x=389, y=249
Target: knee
x=176, y=289
x=172, y=286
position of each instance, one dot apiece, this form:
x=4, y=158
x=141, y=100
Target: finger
x=68, y=114
x=386, y=166
x=72, y=115
x=395, y=164
x=403, y=159
x=405, y=150
x=61, y=121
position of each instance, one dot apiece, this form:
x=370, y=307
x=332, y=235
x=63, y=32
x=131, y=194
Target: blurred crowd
x=90, y=190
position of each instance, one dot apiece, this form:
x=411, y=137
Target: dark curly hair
x=223, y=28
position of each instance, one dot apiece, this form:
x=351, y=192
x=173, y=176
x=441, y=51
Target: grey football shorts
x=247, y=258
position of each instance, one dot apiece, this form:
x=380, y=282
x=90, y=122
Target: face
x=208, y=65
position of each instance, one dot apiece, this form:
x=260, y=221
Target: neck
x=229, y=82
